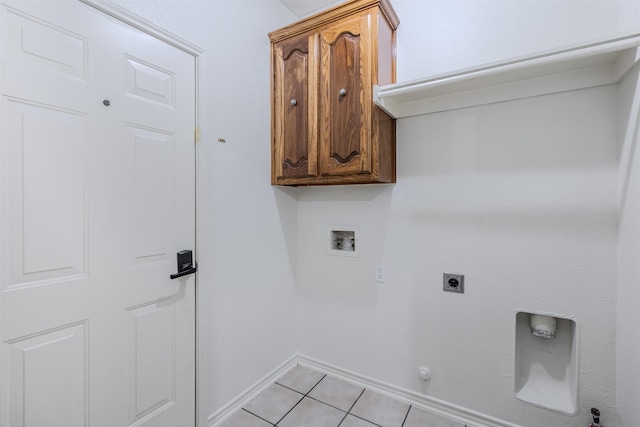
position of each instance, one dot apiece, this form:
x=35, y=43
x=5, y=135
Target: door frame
x=200, y=166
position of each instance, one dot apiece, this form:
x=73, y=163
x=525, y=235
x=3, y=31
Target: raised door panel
x=46, y=175
x=152, y=365
x=46, y=378
x=38, y=55
x=345, y=98
x=295, y=115
x=152, y=169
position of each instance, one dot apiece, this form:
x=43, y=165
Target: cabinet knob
x=294, y=102
x=343, y=92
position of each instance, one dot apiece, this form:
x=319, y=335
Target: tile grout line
x=352, y=405
x=289, y=411
x=357, y=416
x=364, y=419
x=343, y=418
x=406, y=416
x=301, y=399
x=257, y=416
x=328, y=404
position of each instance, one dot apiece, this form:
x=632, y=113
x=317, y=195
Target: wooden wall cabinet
x=325, y=126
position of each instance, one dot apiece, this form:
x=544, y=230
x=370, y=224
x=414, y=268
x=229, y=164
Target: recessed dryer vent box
x=343, y=240
x=546, y=369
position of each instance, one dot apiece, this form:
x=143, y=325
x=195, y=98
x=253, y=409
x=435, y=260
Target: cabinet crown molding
x=333, y=15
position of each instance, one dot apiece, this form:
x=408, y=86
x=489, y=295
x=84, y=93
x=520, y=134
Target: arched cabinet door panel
x=295, y=130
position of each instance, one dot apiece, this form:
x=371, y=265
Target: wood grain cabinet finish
x=325, y=126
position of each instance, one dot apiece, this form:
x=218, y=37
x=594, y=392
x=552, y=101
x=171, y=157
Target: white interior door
x=97, y=167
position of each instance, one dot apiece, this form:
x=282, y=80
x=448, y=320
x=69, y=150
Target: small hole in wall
x=343, y=241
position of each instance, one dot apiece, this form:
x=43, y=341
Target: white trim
x=200, y=57
x=143, y=25
x=576, y=67
x=4, y=227
x=430, y=404
x=218, y=417
x=202, y=212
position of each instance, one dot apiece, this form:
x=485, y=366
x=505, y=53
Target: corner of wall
x=628, y=321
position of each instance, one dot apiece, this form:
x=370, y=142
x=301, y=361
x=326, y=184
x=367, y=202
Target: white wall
x=521, y=197
x=247, y=232
x=628, y=369
x=629, y=14
x=439, y=36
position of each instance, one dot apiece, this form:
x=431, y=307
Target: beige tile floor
x=305, y=397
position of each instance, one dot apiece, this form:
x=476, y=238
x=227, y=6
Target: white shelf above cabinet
x=577, y=67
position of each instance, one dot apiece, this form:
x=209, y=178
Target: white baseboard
x=454, y=412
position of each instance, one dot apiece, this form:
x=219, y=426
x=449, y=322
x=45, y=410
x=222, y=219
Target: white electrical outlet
x=381, y=276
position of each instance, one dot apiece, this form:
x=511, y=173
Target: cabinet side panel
x=385, y=142
x=386, y=53
x=277, y=100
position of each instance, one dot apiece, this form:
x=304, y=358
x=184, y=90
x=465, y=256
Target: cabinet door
x=295, y=111
x=345, y=97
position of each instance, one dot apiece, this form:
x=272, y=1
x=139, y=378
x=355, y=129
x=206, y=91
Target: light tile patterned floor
x=305, y=397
